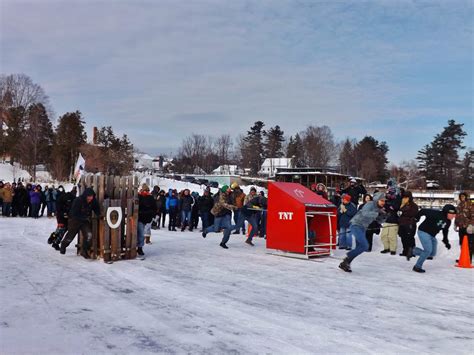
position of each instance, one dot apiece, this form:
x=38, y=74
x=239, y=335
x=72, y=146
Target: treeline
x=30, y=138
x=313, y=147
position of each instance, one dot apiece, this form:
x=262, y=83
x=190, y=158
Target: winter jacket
x=35, y=197
x=186, y=203
x=223, y=206
x=252, y=205
x=6, y=195
x=408, y=214
x=63, y=205
x=434, y=222
x=373, y=227
x=344, y=218
x=369, y=213
x=355, y=192
x=146, y=207
x=161, y=203
x=171, y=201
x=392, y=205
x=238, y=198
x=81, y=210
x=205, y=203
x=465, y=214
x=323, y=194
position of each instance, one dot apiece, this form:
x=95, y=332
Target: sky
x=162, y=70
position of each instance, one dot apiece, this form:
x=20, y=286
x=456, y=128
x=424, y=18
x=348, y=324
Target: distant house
x=142, y=161
x=228, y=170
x=270, y=166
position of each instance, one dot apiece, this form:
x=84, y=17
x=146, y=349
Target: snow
x=191, y=296
x=10, y=173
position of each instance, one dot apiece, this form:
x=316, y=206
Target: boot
x=51, y=238
x=409, y=253
x=346, y=265
x=249, y=242
x=85, y=249
x=55, y=246
x=393, y=253
x=224, y=246
x=140, y=251
x=385, y=251
x=147, y=239
x=63, y=247
x=418, y=269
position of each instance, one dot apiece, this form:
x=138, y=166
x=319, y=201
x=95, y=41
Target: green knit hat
x=224, y=188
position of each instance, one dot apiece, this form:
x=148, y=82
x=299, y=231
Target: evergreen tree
x=467, y=173
x=295, y=150
x=274, y=139
x=13, y=130
x=38, y=138
x=371, y=159
x=117, y=153
x=347, y=158
x=440, y=159
x=252, y=148
x=69, y=136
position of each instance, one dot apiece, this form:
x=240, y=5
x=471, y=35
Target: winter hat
x=313, y=186
x=352, y=180
x=234, y=186
x=89, y=192
x=224, y=188
x=253, y=189
x=407, y=194
x=346, y=197
x=449, y=209
x=145, y=187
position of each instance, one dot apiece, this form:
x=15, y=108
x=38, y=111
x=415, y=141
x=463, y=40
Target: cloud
x=168, y=69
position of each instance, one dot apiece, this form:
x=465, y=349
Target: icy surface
x=191, y=296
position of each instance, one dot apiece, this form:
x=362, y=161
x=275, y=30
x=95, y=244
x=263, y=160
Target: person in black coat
x=407, y=222
x=205, y=204
x=79, y=220
x=146, y=212
x=355, y=191
x=63, y=206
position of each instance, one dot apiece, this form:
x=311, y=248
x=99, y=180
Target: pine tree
x=440, y=159
x=252, y=148
x=38, y=138
x=274, y=138
x=467, y=171
x=347, y=158
x=295, y=150
x=69, y=136
x=371, y=159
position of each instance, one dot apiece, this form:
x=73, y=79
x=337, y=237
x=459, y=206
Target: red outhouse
x=300, y=223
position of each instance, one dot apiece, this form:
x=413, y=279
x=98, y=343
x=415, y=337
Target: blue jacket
x=344, y=218
x=370, y=212
x=171, y=201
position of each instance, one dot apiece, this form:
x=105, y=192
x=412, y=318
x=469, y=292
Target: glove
x=446, y=244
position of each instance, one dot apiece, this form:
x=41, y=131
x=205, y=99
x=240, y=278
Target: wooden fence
x=112, y=239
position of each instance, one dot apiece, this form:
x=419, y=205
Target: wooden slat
x=106, y=245
x=100, y=195
x=134, y=226
x=128, y=238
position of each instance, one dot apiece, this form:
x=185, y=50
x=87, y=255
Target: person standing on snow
x=222, y=210
x=407, y=222
x=345, y=212
x=434, y=222
x=146, y=213
x=355, y=191
x=172, y=209
x=464, y=223
x=79, y=220
x=390, y=227
x=372, y=211
x=186, y=203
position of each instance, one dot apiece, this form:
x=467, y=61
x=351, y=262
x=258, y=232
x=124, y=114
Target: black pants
x=172, y=220
x=369, y=235
x=407, y=234
x=75, y=226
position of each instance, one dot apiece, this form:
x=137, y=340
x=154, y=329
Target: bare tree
x=223, y=147
x=318, y=145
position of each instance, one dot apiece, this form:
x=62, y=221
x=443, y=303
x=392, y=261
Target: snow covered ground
x=191, y=296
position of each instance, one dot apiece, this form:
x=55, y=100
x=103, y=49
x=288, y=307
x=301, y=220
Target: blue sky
x=161, y=70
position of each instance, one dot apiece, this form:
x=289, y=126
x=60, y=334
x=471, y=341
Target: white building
x=142, y=161
x=228, y=170
x=270, y=166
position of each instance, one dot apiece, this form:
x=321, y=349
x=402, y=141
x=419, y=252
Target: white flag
x=79, y=169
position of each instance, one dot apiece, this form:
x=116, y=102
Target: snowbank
x=11, y=173
x=191, y=296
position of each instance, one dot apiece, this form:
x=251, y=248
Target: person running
x=434, y=222
x=222, y=210
x=79, y=220
x=63, y=206
x=345, y=212
x=373, y=228
x=372, y=211
x=250, y=210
